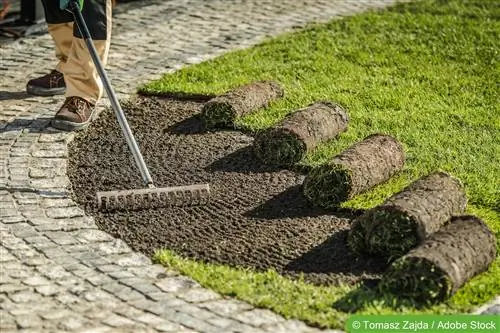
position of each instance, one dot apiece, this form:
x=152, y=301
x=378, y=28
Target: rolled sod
x=450, y=257
x=407, y=218
x=299, y=133
x=223, y=110
x=357, y=169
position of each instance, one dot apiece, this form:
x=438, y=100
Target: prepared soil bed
x=357, y=169
x=299, y=133
x=407, y=218
x=257, y=217
x=435, y=270
x=223, y=110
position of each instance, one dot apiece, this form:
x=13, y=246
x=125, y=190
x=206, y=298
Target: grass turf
x=336, y=178
x=278, y=147
x=424, y=72
x=417, y=279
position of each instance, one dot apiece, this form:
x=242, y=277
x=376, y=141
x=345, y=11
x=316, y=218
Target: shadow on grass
x=368, y=295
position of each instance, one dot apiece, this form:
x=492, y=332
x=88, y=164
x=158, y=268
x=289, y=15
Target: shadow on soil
x=181, y=96
x=191, y=125
x=291, y=203
x=334, y=256
x=244, y=160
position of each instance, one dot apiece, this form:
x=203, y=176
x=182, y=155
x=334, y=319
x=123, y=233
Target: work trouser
x=80, y=74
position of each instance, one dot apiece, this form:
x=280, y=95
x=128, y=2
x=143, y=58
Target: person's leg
x=84, y=87
x=60, y=26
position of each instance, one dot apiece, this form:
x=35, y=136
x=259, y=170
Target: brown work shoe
x=76, y=113
x=47, y=85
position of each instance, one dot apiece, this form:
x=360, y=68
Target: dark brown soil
x=257, y=217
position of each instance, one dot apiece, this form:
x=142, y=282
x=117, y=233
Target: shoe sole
x=70, y=126
x=39, y=91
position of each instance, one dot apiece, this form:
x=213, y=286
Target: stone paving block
x=176, y=283
x=194, y=323
x=12, y=219
x=28, y=321
x=36, y=280
x=198, y=295
x=91, y=236
x=258, y=317
x=115, y=246
x=154, y=271
x=25, y=296
x=57, y=203
x=73, y=322
x=130, y=259
x=50, y=153
x=141, y=285
x=61, y=238
x=195, y=311
x=286, y=327
x=122, y=292
x=226, y=307
x=12, y=287
x=159, y=308
x=48, y=290
x=66, y=212
x=115, y=320
x=37, y=261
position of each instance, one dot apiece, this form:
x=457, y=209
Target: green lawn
x=425, y=72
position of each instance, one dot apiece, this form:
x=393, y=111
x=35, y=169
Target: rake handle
x=120, y=115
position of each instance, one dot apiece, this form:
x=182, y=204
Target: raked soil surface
x=257, y=217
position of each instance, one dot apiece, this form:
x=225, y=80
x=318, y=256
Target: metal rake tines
x=189, y=195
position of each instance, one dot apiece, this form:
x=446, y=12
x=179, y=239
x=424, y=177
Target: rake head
x=147, y=198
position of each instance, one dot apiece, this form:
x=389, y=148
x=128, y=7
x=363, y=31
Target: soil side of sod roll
x=407, y=218
x=299, y=133
x=357, y=169
x=223, y=110
x=450, y=257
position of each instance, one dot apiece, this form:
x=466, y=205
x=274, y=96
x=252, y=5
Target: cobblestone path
x=59, y=273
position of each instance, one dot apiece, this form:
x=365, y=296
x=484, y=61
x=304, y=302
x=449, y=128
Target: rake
x=150, y=197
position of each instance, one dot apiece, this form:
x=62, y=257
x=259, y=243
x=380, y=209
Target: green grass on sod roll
x=437, y=268
x=395, y=237
x=275, y=146
x=417, y=279
x=220, y=114
x=421, y=71
x=327, y=185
